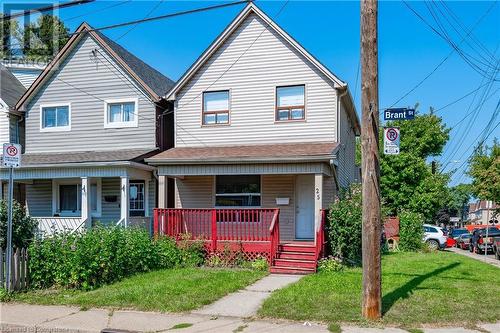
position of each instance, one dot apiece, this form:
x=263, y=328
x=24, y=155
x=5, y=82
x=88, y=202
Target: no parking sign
x=11, y=155
x=391, y=140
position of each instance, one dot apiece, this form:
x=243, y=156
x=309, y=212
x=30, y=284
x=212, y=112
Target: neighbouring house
x=483, y=212
x=11, y=126
x=25, y=70
x=260, y=124
x=91, y=117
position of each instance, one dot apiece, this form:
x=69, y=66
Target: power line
x=145, y=17
x=45, y=9
x=461, y=98
x=445, y=58
x=97, y=10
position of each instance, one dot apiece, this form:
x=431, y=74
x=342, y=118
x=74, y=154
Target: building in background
x=483, y=212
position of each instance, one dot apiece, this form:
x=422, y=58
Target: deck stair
x=295, y=258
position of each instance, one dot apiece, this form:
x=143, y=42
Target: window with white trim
x=55, y=117
x=238, y=191
x=290, y=103
x=121, y=114
x=69, y=201
x=215, y=107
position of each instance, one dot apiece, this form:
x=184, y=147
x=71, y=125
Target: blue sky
x=408, y=50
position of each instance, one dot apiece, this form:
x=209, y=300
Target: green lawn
x=418, y=288
x=171, y=290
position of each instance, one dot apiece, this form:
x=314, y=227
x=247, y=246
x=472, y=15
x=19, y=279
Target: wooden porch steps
x=295, y=258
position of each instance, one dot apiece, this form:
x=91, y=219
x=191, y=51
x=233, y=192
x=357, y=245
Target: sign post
x=11, y=159
x=391, y=140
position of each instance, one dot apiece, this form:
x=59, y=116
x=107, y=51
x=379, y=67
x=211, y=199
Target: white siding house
x=91, y=117
x=260, y=123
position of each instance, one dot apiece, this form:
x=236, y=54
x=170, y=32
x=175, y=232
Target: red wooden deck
x=253, y=232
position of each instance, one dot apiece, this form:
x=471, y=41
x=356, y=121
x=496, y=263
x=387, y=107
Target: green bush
x=330, y=264
x=344, y=226
x=23, y=226
x=411, y=231
x=103, y=255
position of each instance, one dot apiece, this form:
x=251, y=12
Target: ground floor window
x=237, y=191
x=137, y=198
x=69, y=198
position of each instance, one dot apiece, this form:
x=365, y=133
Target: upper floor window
x=216, y=107
x=290, y=103
x=55, y=118
x=121, y=113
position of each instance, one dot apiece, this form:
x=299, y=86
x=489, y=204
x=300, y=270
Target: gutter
x=89, y=164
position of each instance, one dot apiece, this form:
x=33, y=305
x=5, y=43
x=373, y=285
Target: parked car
x=434, y=236
x=485, y=241
x=463, y=241
x=453, y=236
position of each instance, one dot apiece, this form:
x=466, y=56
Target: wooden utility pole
x=372, y=302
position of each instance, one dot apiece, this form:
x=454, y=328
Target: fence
x=19, y=271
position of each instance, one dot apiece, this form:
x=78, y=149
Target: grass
x=418, y=288
x=170, y=290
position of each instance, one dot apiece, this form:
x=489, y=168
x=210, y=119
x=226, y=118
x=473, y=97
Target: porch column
x=162, y=191
x=318, y=200
x=86, y=205
x=124, y=202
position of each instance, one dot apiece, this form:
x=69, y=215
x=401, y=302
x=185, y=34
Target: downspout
x=339, y=100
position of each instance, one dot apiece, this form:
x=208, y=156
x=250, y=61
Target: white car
x=434, y=236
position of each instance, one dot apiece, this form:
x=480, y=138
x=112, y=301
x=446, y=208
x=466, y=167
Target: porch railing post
x=155, y=222
x=214, y=230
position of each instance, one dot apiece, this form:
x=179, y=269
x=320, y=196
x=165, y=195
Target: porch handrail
x=274, y=229
x=320, y=236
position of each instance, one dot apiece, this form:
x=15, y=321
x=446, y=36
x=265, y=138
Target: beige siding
x=194, y=192
x=95, y=81
x=269, y=61
x=4, y=127
x=329, y=191
x=281, y=186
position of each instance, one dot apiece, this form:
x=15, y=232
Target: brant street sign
x=399, y=114
x=391, y=140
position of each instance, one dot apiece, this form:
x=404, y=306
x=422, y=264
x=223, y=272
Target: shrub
x=102, y=255
x=23, y=226
x=344, y=225
x=411, y=231
x=260, y=264
x=330, y=264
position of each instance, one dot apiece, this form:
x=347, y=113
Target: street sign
x=11, y=155
x=391, y=140
x=399, y=114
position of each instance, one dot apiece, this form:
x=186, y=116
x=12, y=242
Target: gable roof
x=10, y=87
x=219, y=41
x=152, y=81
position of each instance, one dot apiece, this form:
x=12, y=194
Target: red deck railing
x=320, y=236
x=241, y=225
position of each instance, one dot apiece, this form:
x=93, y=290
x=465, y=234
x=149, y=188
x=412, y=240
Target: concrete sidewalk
x=62, y=319
x=481, y=257
x=245, y=303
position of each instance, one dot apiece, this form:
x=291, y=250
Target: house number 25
x=317, y=194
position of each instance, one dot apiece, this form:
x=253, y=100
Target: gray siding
x=194, y=192
x=39, y=198
x=95, y=81
x=347, y=153
x=4, y=126
x=268, y=62
x=281, y=186
x=110, y=210
x=25, y=75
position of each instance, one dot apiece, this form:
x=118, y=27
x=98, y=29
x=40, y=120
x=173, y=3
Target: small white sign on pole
x=11, y=155
x=391, y=140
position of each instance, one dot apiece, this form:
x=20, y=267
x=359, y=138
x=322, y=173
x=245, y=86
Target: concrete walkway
x=486, y=259
x=245, y=303
x=62, y=319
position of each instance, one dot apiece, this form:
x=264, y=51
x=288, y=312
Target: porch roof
x=285, y=152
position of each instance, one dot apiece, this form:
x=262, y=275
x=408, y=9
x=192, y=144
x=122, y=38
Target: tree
x=23, y=226
x=407, y=180
x=44, y=38
x=460, y=196
x=484, y=169
x=9, y=33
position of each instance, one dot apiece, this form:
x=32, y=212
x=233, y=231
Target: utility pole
x=372, y=302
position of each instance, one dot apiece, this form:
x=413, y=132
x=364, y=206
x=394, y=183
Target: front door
x=304, y=211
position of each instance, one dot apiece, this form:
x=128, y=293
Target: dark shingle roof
x=10, y=87
x=135, y=155
x=158, y=82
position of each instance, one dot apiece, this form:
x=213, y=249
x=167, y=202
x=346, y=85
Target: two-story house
x=91, y=117
x=259, y=123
